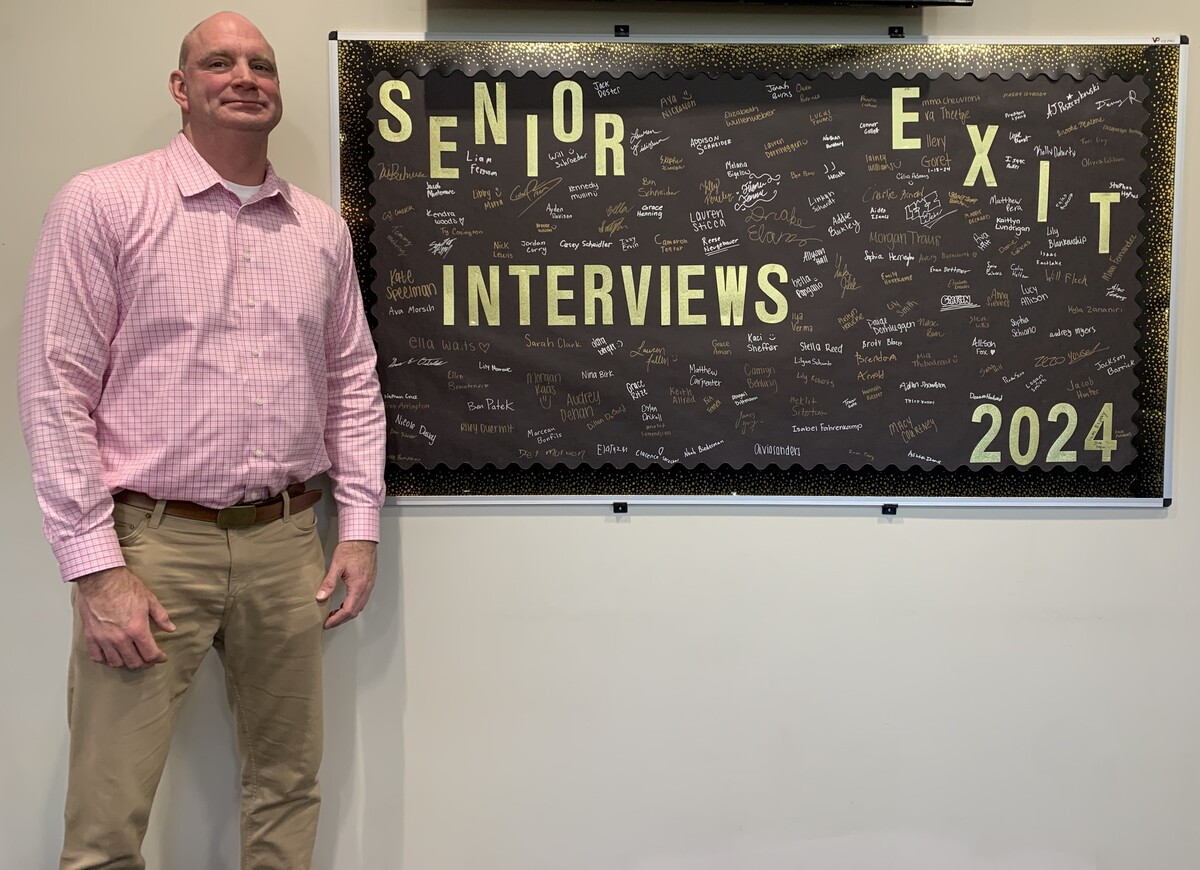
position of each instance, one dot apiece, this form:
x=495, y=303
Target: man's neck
x=236, y=156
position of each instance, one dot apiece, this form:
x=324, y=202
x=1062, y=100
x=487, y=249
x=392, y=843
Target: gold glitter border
x=359, y=61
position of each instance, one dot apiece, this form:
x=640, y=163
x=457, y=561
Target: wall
x=689, y=689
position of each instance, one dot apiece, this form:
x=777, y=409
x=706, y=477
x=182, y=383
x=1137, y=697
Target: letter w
x=731, y=294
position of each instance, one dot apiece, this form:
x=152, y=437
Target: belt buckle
x=239, y=516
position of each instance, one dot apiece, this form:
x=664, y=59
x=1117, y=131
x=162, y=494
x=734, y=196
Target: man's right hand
x=115, y=609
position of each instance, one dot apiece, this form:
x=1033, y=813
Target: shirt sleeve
x=355, y=428
x=69, y=322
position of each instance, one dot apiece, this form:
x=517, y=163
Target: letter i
x=531, y=146
x=1043, y=191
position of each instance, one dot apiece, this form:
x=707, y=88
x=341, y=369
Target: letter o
x=560, y=111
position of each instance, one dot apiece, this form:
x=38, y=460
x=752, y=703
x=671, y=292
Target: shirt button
x=255, y=351
x=246, y=257
x=258, y=402
x=250, y=302
x=258, y=453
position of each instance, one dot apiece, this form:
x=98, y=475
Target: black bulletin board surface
x=825, y=271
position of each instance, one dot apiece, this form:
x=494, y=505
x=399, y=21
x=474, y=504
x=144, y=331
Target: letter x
x=981, y=163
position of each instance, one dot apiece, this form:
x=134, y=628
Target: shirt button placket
x=256, y=352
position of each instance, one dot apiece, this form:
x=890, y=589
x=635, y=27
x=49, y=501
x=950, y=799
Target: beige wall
x=681, y=689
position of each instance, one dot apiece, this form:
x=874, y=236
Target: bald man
x=194, y=350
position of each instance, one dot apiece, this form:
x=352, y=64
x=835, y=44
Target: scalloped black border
x=359, y=61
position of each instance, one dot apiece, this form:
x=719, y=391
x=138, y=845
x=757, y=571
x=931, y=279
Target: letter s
x=390, y=106
x=773, y=293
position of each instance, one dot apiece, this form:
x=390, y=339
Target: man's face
x=229, y=81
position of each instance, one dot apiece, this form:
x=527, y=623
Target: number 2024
x=1099, y=437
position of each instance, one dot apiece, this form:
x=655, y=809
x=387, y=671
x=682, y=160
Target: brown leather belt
x=238, y=516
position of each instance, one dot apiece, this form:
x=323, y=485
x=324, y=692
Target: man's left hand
x=353, y=564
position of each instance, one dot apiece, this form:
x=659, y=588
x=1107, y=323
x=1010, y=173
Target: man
x=194, y=349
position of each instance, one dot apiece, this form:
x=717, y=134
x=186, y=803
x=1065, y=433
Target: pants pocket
x=129, y=523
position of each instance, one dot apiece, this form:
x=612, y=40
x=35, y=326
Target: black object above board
x=902, y=3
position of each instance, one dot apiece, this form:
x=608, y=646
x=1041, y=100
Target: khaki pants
x=248, y=593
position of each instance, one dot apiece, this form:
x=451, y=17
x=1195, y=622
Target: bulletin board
x=895, y=270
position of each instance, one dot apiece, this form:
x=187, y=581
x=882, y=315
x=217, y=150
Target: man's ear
x=178, y=88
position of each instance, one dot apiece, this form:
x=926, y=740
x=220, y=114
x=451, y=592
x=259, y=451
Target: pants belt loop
x=156, y=517
x=287, y=506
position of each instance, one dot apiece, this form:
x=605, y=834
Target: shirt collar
x=194, y=175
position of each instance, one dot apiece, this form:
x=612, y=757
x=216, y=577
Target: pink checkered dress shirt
x=180, y=344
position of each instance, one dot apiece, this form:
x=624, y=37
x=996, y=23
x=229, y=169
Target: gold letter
x=981, y=163
x=1043, y=190
x=493, y=114
x=389, y=105
x=556, y=294
x=531, y=146
x=781, y=306
x=687, y=294
x=606, y=143
x=664, y=295
x=597, y=288
x=1105, y=201
x=901, y=117
x=731, y=294
x=636, y=299
x=447, y=295
x=487, y=293
x=437, y=146
x=523, y=273
x=560, y=113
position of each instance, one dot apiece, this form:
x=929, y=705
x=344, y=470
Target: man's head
x=227, y=79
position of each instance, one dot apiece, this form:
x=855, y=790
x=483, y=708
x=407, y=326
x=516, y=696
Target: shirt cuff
x=88, y=554
x=358, y=524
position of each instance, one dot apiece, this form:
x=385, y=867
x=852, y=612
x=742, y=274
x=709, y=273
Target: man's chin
x=252, y=123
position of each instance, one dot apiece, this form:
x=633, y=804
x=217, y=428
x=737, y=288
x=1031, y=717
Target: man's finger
x=147, y=649
x=95, y=653
x=328, y=584
x=159, y=614
x=353, y=601
x=128, y=655
x=132, y=659
x=339, y=616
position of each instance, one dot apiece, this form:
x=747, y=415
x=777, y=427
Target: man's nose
x=243, y=76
